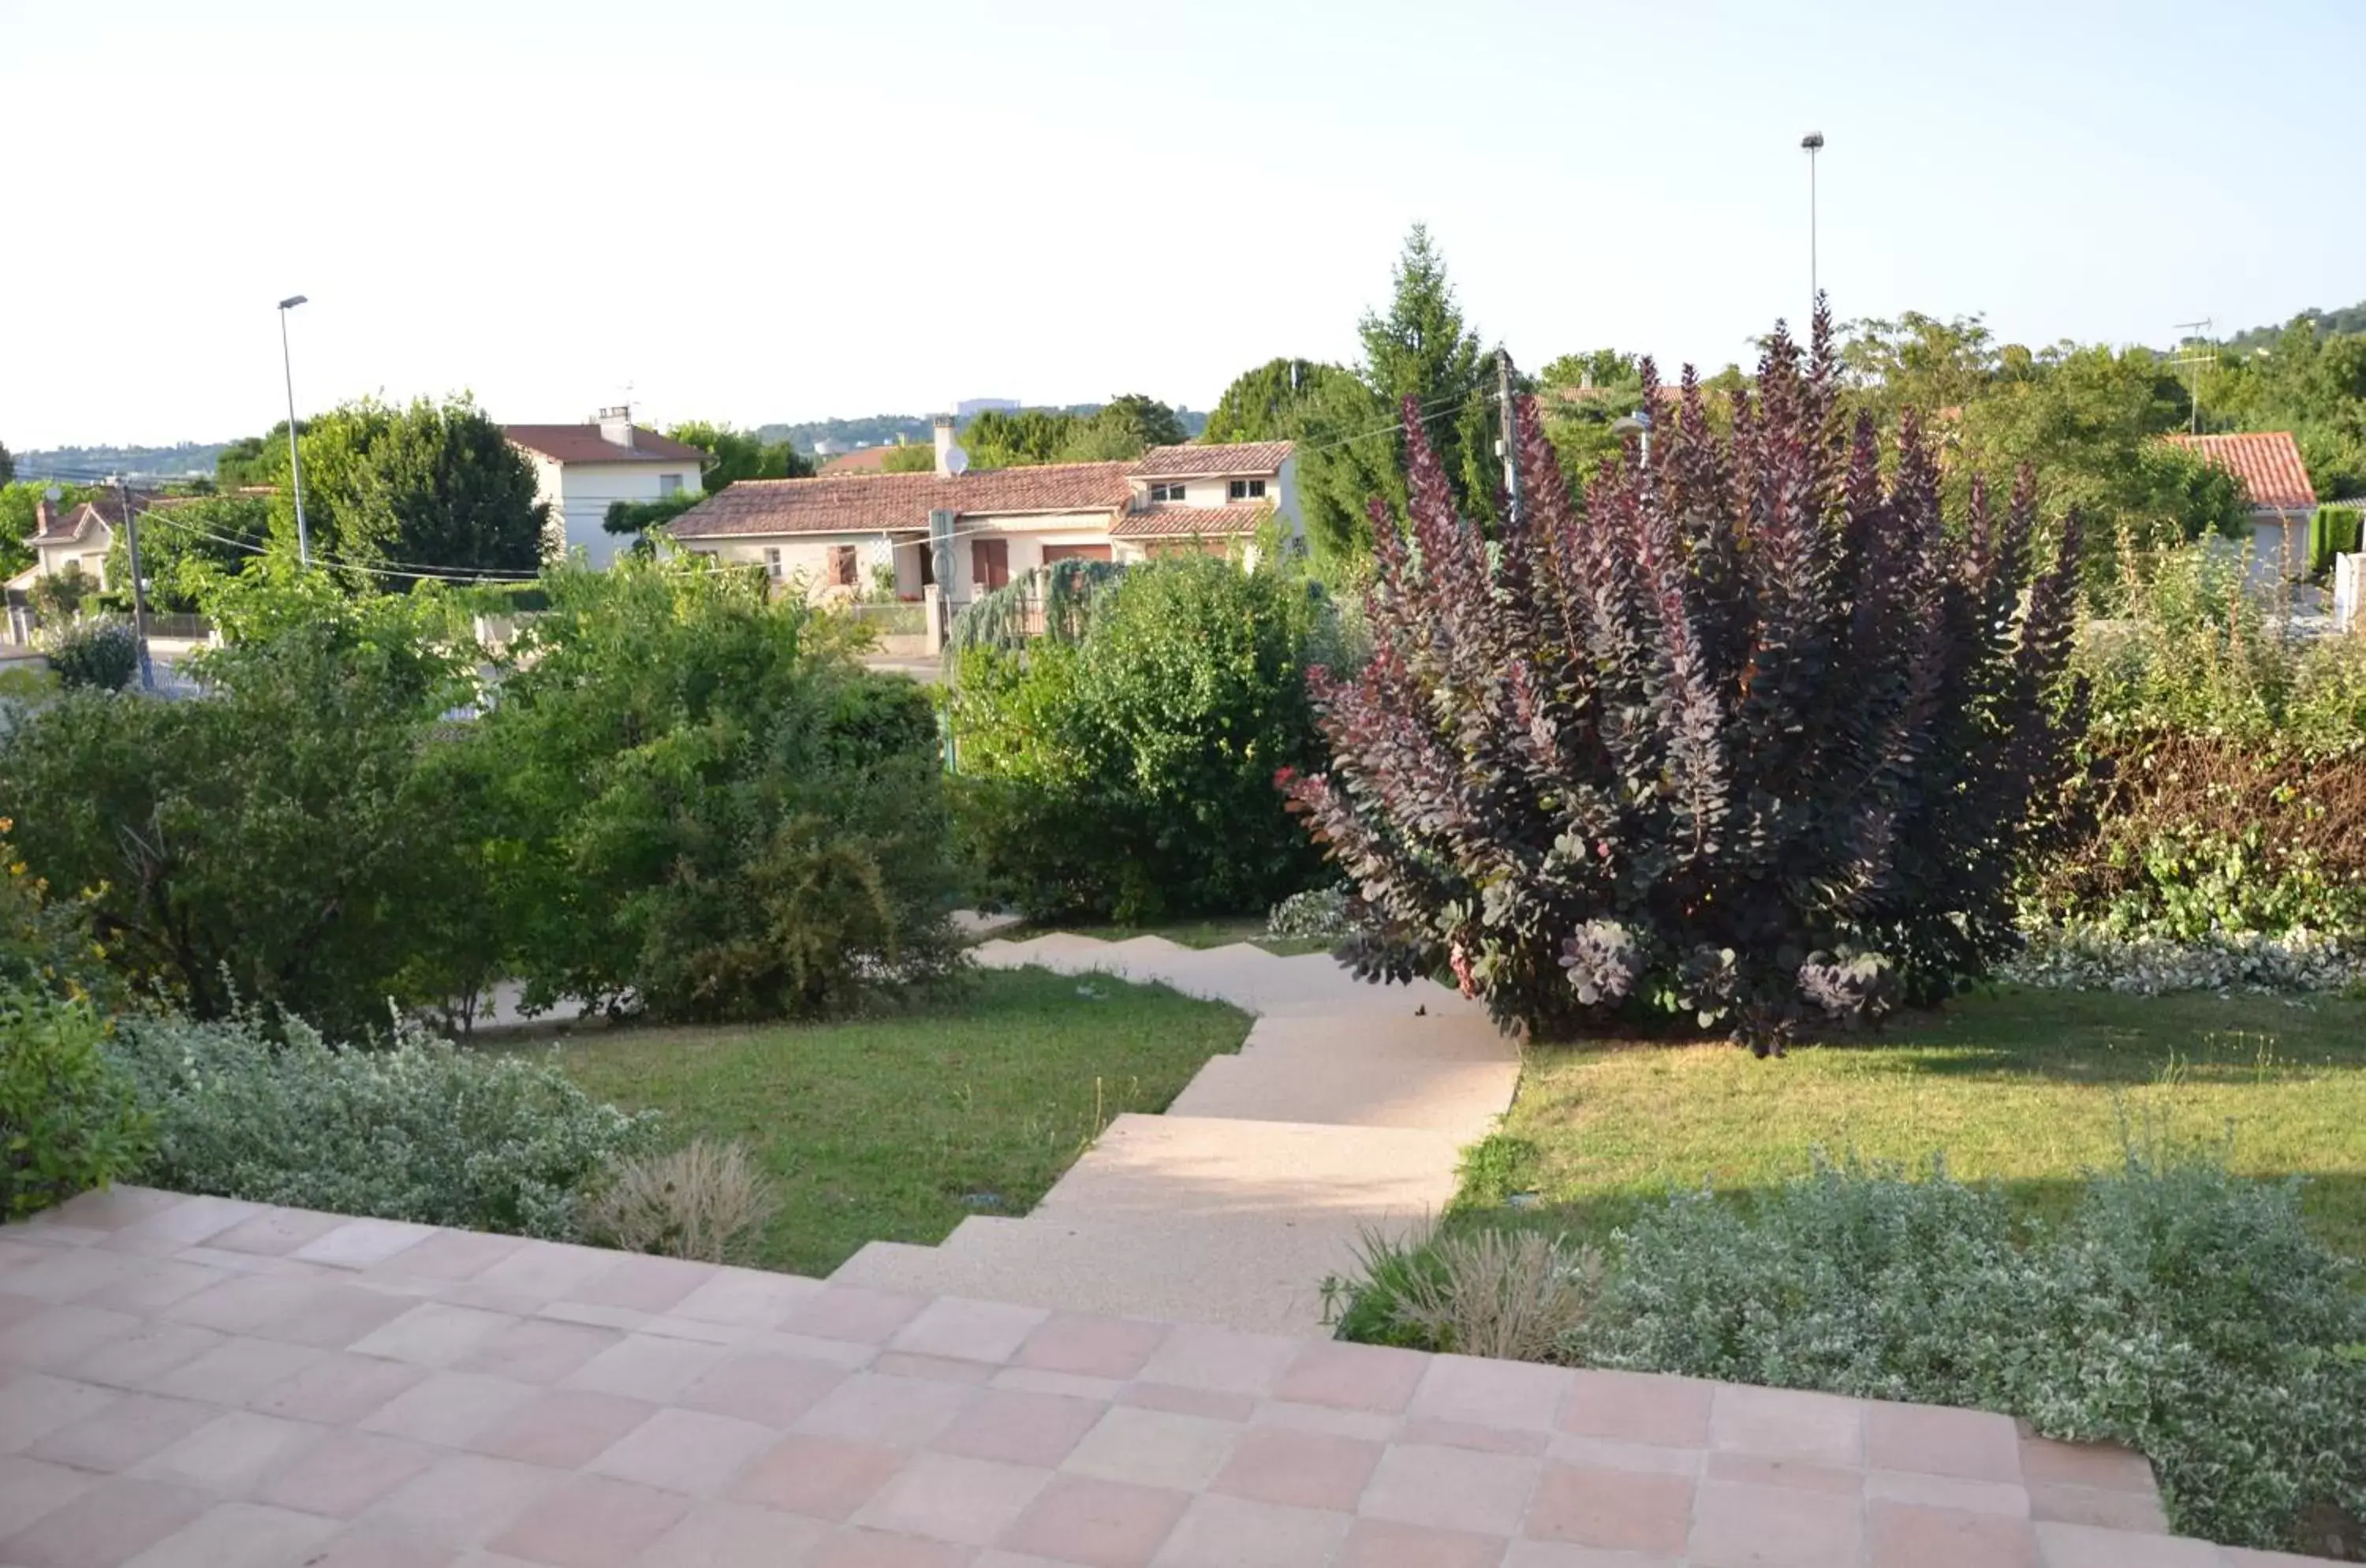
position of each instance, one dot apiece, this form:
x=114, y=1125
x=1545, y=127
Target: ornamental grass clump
x=1757, y=734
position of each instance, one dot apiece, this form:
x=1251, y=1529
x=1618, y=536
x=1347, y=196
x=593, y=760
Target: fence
x=2348, y=587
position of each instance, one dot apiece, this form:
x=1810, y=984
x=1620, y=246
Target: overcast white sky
x=755, y=212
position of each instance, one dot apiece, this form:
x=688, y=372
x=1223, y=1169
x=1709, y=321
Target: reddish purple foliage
x=1758, y=735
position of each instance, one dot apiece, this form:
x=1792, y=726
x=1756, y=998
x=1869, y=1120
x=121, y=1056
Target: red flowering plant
x=1757, y=734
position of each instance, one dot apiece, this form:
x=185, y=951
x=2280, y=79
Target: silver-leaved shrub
x=418, y=1130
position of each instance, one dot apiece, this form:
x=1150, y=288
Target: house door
x=989, y=564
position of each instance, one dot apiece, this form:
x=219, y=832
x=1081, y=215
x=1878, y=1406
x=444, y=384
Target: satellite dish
x=956, y=460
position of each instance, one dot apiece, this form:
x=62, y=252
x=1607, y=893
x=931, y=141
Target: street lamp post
x=1814, y=143
x=295, y=458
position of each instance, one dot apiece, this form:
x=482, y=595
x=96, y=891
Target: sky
x=756, y=212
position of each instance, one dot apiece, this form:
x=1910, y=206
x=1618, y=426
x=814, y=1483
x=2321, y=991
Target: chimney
x=616, y=425
x=43, y=516
x=945, y=424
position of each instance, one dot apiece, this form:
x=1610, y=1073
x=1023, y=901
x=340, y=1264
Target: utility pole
x=1507, y=445
x=295, y=458
x=139, y=588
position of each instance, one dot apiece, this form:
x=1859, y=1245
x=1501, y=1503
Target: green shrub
x=1130, y=774
x=68, y=1119
x=2181, y=1311
x=101, y=655
x=2332, y=531
x=418, y=1131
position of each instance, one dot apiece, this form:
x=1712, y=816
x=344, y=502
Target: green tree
x=7, y=465
x=734, y=454
x=1152, y=423
x=249, y=460
x=637, y=518
x=912, y=458
x=182, y=548
x=1269, y=402
x=999, y=438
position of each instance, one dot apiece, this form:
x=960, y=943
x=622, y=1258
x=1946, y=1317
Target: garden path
x=1346, y=1110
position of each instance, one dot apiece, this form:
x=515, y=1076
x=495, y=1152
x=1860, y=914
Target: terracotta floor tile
x=449, y=1408
x=686, y=1450
x=1300, y=1470
x=464, y=1498
x=1100, y=1523
x=1972, y=1444
x=750, y=1298
x=592, y=1522
x=536, y=1350
x=1602, y=1453
x=945, y=1497
x=1154, y=1447
x=1902, y=1535
x=1610, y=1509
x=240, y=1535
x=826, y=1477
x=967, y=1330
x=233, y=1452
x=1491, y=1394
x=875, y=1548
x=123, y=1432
x=112, y=1208
x=236, y=1371
x=644, y=1284
x=566, y=1427
x=187, y=1224
x=851, y=1311
x=57, y=1275
x=56, y=1337
x=1383, y=1544
x=1638, y=1407
x=1455, y=1489
x=1222, y=1360
x=338, y=1390
x=901, y=1412
x=944, y=1369
x=1071, y=1385
x=736, y=1535
x=362, y=1244
x=346, y=1473
x=1772, y=1527
x=30, y=1488
x=1208, y=1403
x=369, y=1545
x=1092, y=1346
x=274, y=1233
x=1947, y=1492
x=761, y=1385
x=645, y=1366
x=1017, y=1428
x=34, y=1405
x=1783, y=1422
x=160, y=1282
x=2106, y=1507
x=238, y=1304
x=2086, y=1464
x=451, y=1255
x=433, y=1334
x=106, y=1527
x=2084, y=1546
x=1236, y=1532
x=1469, y=1435
x=140, y=1357
x=1752, y=1471
x=1353, y=1377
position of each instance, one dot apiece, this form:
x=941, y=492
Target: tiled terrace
x=191, y=1383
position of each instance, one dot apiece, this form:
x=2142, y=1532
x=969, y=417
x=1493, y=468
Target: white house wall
x=581, y=494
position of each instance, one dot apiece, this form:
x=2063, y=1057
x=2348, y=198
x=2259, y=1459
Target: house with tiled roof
x=583, y=469
x=965, y=533
x=2267, y=464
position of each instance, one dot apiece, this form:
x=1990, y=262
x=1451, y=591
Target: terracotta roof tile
x=2266, y=461
x=872, y=504
x=1195, y=460
x=867, y=460
x=1189, y=522
x=584, y=444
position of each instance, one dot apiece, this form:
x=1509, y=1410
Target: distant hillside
x=881, y=429
x=84, y=465
x=2348, y=319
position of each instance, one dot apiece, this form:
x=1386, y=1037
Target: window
x=1167, y=490
x=1248, y=490
x=772, y=562
x=841, y=565
x=669, y=484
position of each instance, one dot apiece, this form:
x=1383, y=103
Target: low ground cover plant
x=1759, y=735
x=418, y=1130
x=2179, y=1310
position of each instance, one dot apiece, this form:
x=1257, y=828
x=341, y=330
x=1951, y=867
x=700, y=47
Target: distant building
x=2267, y=463
x=836, y=532
x=582, y=470
x=970, y=408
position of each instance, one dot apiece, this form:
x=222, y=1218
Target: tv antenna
x=2197, y=360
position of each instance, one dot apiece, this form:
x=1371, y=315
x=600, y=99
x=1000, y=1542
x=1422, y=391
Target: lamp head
x=1812, y=141
x=291, y=301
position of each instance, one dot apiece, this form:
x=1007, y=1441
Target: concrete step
x=1260, y=1275
x=1153, y=1168
x=1348, y=1089
x=1435, y=1038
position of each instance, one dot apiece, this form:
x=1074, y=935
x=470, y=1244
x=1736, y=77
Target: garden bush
x=702, y=805
x=1128, y=774
x=101, y=655
x=68, y=1119
x=2178, y=1310
x=1759, y=735
x=272, y=1112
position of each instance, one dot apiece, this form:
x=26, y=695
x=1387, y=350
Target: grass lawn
x=897, y=1128
x=2023, y=1087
